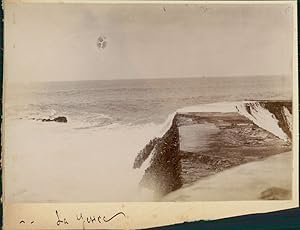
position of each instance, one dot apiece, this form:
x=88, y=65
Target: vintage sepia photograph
x=149, y=102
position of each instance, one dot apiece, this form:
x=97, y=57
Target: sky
x=58, y=42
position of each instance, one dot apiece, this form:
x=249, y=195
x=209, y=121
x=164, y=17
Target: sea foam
x=46, y=161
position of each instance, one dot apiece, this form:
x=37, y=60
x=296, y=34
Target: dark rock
x=275, y=193
x=56, y=119
x=60, y=119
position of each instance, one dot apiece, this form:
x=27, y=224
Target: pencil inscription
x=83, y=218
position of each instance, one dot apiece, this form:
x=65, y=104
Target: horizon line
x=154, y=78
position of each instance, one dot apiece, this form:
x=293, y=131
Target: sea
x=92, y=104
x=90, y=158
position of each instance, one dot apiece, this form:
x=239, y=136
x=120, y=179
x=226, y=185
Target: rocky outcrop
x=199, y=144
x=275, y=193
x=56, y=119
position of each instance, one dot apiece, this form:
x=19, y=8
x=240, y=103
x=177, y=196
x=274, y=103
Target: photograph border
x=153, y=214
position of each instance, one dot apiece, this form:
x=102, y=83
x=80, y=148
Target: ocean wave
x=62, y=153
x=110, y=149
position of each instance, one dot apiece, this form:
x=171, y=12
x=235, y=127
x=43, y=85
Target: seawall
x=199, y=143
